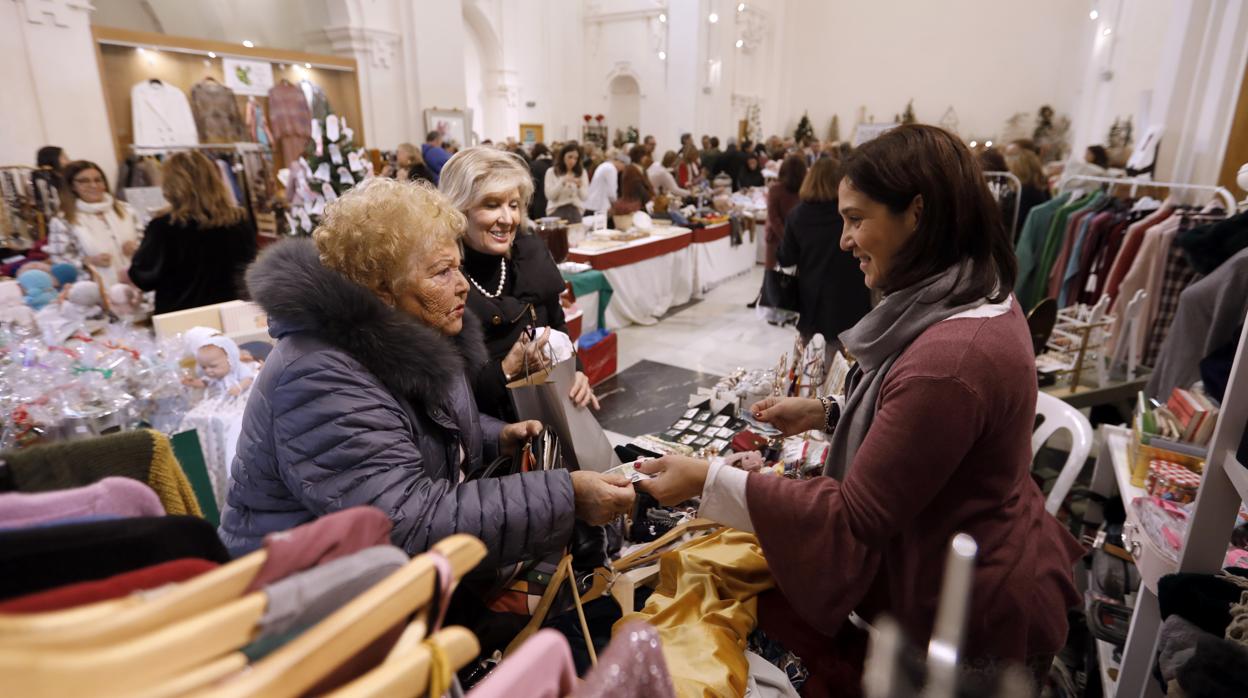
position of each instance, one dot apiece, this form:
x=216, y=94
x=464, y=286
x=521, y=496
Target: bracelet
x=831, y=413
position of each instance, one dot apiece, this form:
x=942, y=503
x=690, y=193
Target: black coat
x=529, y=299
x=537, y=207
x=188, y=266
x=832, y=295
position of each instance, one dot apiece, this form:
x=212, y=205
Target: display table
x=649, y=276
x=715, y=259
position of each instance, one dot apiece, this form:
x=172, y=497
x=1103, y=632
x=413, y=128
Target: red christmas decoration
x=587, y=118
x=599, y=118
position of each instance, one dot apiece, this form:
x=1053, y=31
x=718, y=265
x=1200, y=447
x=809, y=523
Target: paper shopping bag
x=544, y=397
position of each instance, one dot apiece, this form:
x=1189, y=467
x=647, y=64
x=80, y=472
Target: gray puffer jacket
x=360, y=403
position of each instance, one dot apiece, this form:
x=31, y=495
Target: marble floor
x=706, y=339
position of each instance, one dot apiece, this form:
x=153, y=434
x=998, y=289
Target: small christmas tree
x=804, y=130
x=834, y=129
x=330, y=166
x=907, y=116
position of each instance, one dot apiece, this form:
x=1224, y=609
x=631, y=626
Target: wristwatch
x=831, y=413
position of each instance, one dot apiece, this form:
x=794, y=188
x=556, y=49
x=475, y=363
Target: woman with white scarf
x=97, y=233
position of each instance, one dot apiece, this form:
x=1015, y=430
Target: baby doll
x=124, y=300
x=221, y=370
x=38, y=287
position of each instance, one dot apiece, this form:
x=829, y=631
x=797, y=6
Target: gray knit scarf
x=876, y=342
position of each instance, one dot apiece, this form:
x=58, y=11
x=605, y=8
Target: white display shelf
x=1236, y=473
x=1105, y=655
x=1151, y=562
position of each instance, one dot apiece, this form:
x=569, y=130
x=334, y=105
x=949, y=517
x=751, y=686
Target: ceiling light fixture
x=1107, y=31
x=212, y=54
x=740, y=43
x=662, y=55
x=308, y=66
x=987, y=144
x=712, y=18
x=974, y=143
x=1093, y=15
x=741, y=7
x=248, y=44
x=663, y=17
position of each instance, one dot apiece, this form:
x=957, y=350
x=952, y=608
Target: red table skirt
x=719, y=231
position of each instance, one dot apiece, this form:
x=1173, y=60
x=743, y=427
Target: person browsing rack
x=933, y=437
x=514, y=283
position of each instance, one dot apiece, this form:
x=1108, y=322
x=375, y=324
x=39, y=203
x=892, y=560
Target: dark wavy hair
x=960, y=222
x=561, y=168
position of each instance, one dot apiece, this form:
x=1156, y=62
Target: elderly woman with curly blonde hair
x=365, y=400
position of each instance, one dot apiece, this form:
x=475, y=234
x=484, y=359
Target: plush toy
x=13, y=308
x=38, y=287
x=221, y=370
x=64, y=274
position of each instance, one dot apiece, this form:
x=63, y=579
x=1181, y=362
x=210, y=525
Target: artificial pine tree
x=907, y=116
x=330, y=166
x=834, y=129
x=804, y=130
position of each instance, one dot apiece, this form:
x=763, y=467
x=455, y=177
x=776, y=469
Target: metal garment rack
x=1135, y=184
x=1006, y=178
x=161, y=149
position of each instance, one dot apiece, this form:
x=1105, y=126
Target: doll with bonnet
x=220, y=368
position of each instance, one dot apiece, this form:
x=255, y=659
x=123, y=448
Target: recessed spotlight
x=663, y=17
x=740, y=43
x=308, y=66
x=1093, y=15
x=248, y=44
x=741, y=7
x=712, y=18
x=141, y=50
x=212, y=54
x=974, y=143
x=987, y=144
x=1107, y=31
x=662, y=55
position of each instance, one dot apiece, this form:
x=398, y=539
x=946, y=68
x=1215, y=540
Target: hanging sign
x=248, y=77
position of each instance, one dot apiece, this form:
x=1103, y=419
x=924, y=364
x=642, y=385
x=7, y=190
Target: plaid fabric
x=1178, y=275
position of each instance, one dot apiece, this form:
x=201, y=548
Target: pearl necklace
x=502, y=280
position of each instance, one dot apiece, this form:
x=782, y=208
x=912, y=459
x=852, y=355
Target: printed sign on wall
x=248, y=77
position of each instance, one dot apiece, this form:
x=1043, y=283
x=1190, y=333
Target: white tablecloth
x=644, y=291
x=718, y=261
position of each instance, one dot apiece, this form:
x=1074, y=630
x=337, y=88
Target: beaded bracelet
x=831, y=413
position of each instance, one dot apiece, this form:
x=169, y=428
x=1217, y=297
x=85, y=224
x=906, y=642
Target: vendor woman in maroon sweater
x=933, y=438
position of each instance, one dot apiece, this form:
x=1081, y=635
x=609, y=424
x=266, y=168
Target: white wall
x=988, y=60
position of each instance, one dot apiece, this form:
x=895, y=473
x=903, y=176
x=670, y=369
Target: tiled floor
x=714, y=336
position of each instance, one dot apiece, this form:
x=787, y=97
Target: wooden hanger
x=643, y=555
x=109, y=622
x=198, y=678
x=304, y=661
x=126, y=667
x=407, y=675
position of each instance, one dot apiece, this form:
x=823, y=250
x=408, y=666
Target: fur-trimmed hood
x=300, y=294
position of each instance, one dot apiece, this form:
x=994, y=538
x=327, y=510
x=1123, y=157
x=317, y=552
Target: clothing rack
x=1227, y=197
x=1006, y=179
x=162, y=149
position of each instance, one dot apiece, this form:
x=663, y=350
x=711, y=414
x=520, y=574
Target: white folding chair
x=1059, y=415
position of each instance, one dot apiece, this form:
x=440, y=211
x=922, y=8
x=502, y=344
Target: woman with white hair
x=514, y=285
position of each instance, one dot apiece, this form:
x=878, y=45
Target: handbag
x=780, y=290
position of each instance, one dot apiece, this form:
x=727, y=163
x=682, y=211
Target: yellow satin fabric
x=704, y=607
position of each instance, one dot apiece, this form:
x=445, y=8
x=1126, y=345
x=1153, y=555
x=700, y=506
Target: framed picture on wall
x=531, y=133
x=451, y=123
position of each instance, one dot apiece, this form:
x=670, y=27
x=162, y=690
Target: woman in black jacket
x=750, y=175
x=831, y=295
x=194, y=254
x=514, y=283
